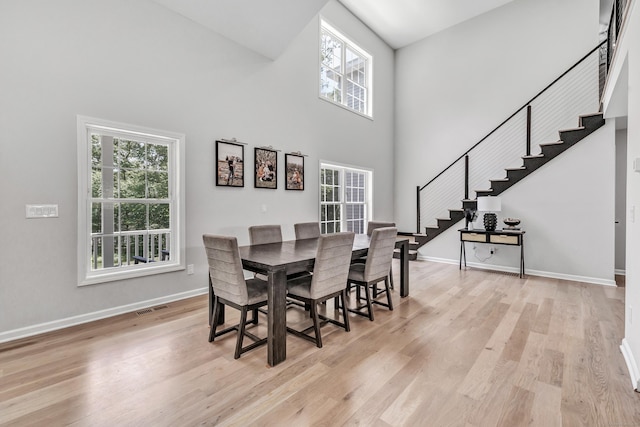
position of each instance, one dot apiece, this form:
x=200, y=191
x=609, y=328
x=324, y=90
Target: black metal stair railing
x=574, y=93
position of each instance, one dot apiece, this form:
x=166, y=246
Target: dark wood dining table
x=277, y=260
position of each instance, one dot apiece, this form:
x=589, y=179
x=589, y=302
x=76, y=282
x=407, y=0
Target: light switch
x=42, y=211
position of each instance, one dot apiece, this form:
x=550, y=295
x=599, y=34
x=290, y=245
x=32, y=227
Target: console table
x=497, y=237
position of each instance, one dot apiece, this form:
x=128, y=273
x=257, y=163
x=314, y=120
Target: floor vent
x=145, y=311
x=160, y=307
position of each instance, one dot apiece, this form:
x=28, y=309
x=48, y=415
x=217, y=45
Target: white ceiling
x=264, y=26
x=402, y=22
x=268, y=26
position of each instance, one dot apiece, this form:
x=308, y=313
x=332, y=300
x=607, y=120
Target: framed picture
x=266, y=168
x=294, y=174
x=230, y=164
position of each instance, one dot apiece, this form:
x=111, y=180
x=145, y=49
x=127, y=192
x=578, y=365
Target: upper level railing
x=556, y=107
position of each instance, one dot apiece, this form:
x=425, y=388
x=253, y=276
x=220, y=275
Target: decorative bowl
x=511, y=222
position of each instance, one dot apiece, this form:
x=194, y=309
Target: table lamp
x=489, y=205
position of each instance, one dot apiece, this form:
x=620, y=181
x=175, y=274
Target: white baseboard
x=509, y=269
x=631, y=363
x=620, y=272
x=97, y=315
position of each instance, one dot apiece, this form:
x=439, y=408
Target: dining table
x=278, y=260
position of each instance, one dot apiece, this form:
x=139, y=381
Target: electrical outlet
x=190, y=269
x=493, y=250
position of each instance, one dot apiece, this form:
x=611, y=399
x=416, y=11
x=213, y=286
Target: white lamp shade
x=489, y=204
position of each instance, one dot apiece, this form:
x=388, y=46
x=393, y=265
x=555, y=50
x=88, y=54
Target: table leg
x=404, y=268
x=521, y=259
x=277, y=317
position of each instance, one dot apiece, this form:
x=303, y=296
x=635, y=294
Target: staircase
x=568, y=138
x=573, y=92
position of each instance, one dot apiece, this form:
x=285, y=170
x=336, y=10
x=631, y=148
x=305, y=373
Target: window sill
x=344, y=107
x=130, y=273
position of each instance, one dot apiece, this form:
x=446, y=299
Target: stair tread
x=501, y=180
x=572, y=129
x=533, y=156
x=551, y=143
x=521, y=168
x=590, y=115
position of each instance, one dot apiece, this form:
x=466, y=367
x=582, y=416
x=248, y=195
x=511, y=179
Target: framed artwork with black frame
x=294, y=171
x=229, y=164
x=266, y=168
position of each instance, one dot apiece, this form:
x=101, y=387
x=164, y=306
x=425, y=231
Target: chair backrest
x=307, y=230
x=261, y=234
x=380, y=254
x=331, y=269
x=372, y=225
x=225, y=268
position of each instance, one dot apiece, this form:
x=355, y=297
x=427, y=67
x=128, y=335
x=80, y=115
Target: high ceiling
x=267, y=27
x=402, y=22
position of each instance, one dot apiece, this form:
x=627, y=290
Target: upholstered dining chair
x=372, y=225
x=262, y=234
x=375, y=270
x=328, y=280
x=231, y=288
x=307, y=230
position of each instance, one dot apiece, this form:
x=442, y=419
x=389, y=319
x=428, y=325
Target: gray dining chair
x=231, y=288
x=307, y=230
x=328, y=280
x=375, y=270
x=372, y=225
x=263, y=234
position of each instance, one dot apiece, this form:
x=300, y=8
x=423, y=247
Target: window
x=345, y=196
x=345, y=71
x=130, y=212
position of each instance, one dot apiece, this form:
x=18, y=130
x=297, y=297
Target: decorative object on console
x=512, y=223
x=490, y=205
x=470, y=215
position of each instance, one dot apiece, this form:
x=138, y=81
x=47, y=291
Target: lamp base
x=490, y=221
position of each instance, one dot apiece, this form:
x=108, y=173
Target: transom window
x=129, y=205
x=345, y=71
x=345, y=195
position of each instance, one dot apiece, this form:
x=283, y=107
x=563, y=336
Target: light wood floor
x=470, y=348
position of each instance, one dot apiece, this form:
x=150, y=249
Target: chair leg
x=369, y=305
x=345, y=315
x=386, y=285
x=214, y=319
x=241, y=326
x=254, y=320
x=316, y=323
x=391, y=276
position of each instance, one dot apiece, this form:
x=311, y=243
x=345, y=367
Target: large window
x=130, y=211
x=345, y=71
x=345, y=199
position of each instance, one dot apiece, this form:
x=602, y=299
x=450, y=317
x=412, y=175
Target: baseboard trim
x=529, y=272
x=96, y=315
x=631, y=363
x=620, y=272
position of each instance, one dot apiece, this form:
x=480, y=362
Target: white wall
x=621, y=200
x=454, y=87
x=567, y=211
x=622, y=100
x=136, y=62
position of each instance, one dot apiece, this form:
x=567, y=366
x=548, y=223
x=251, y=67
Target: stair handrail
x=515, y=113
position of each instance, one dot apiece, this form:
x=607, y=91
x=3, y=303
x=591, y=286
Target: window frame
x=346, y=44
x=368, y=193
x=176, y=169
